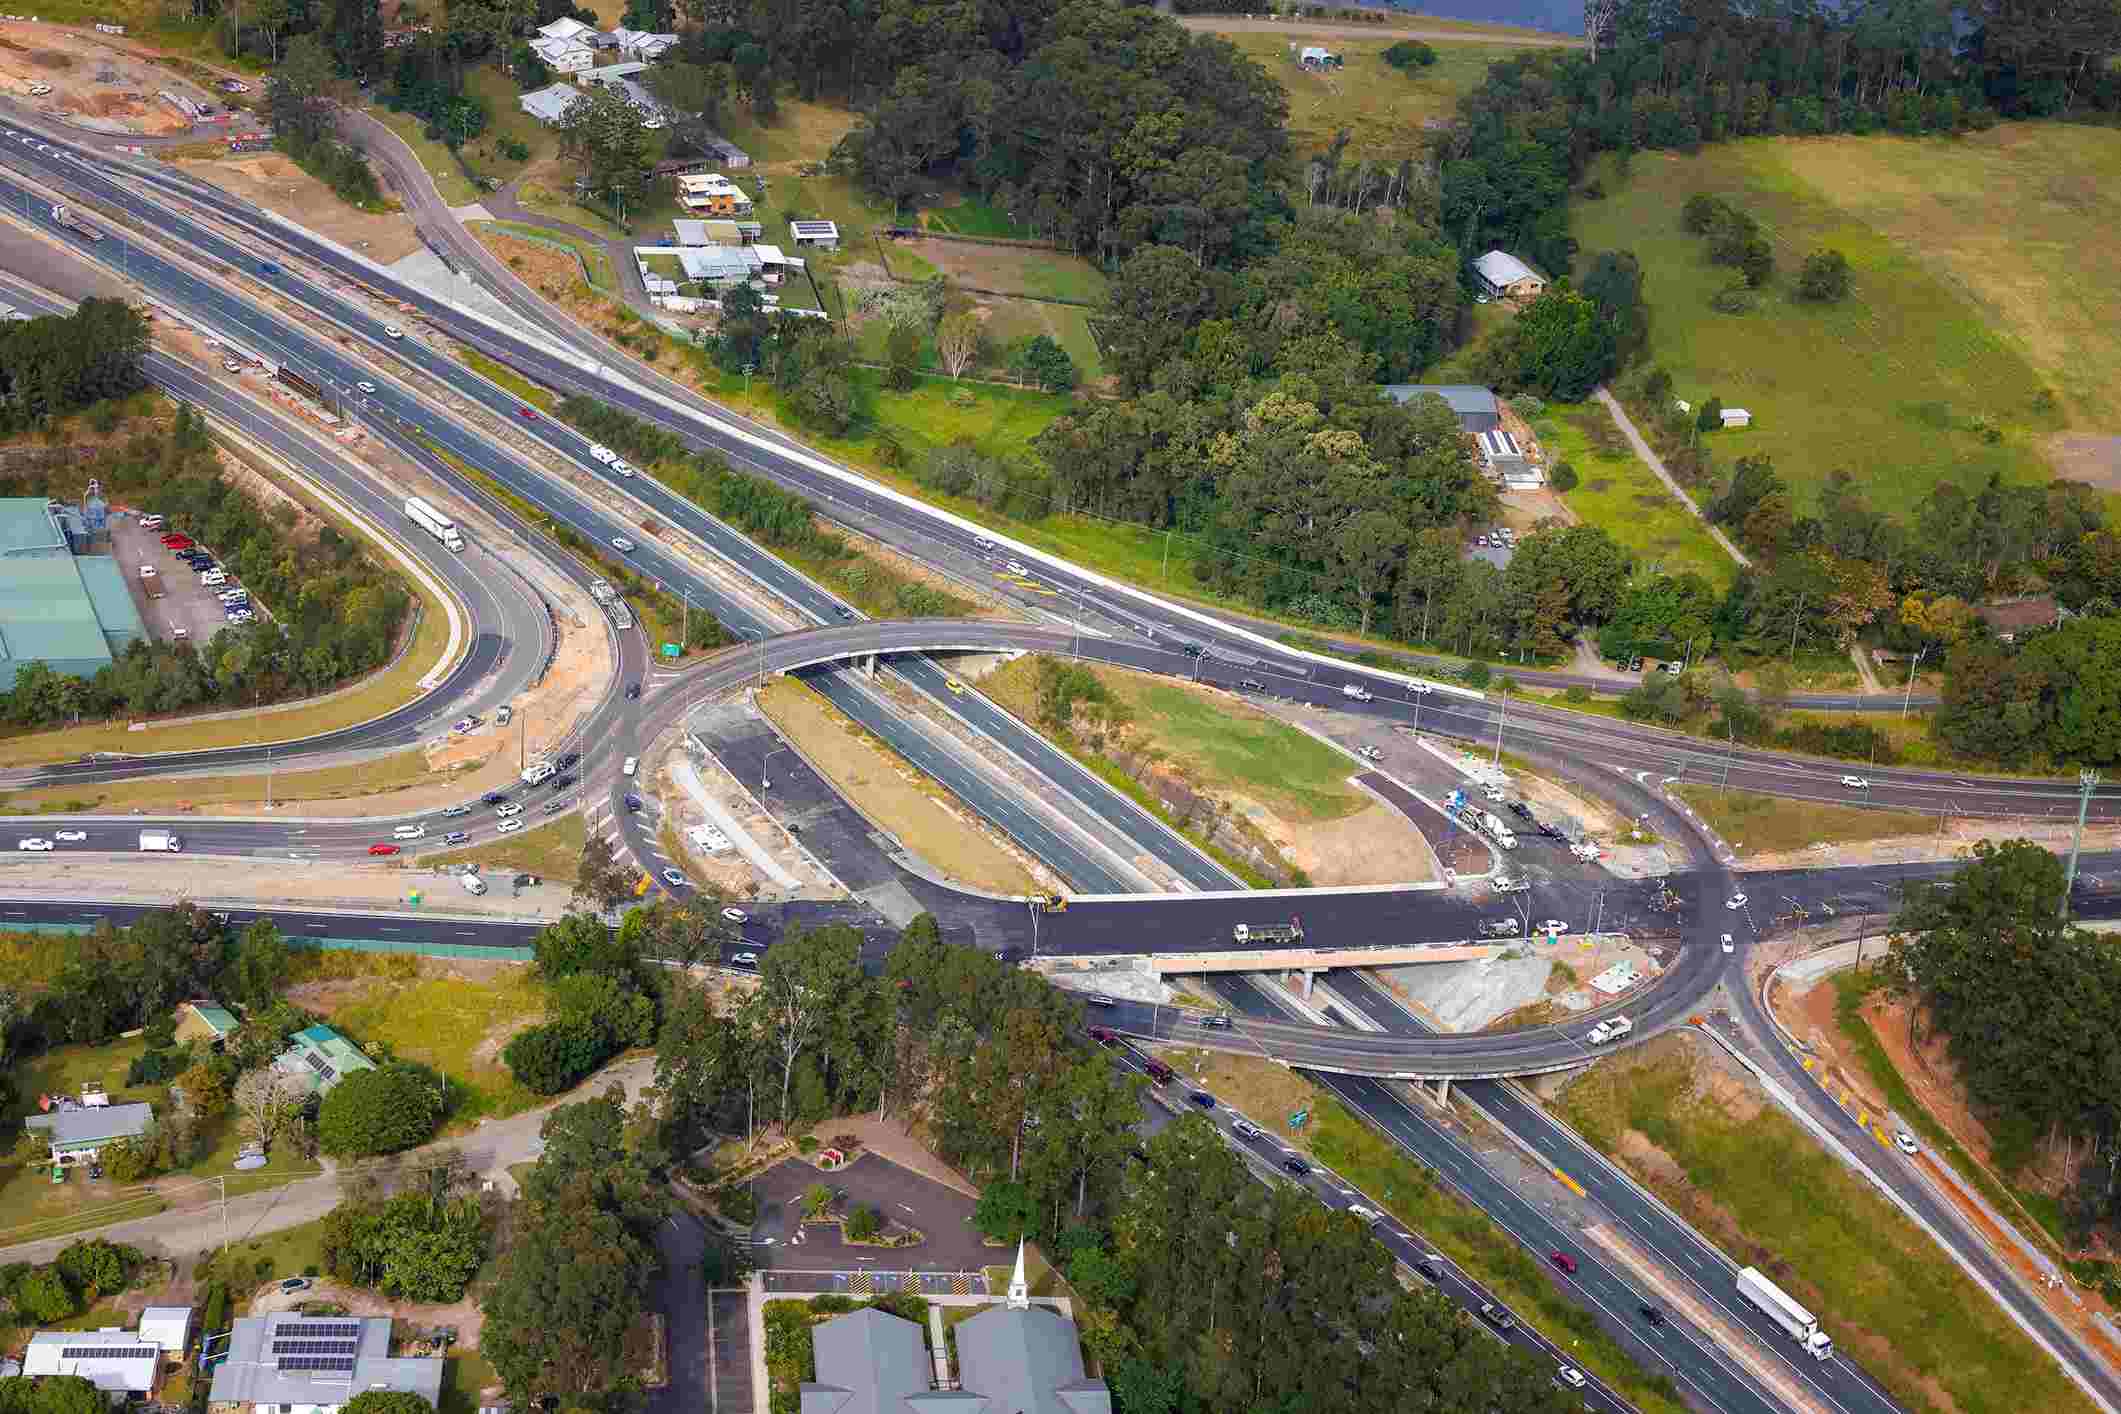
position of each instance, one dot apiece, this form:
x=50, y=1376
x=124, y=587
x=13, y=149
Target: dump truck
x=1797, y=1323
x=1610, y=1029
x=1289, y=932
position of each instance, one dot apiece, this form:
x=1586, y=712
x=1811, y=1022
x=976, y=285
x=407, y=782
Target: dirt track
x=1225, y=24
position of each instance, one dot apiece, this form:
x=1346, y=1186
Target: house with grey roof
x=550, y=103
x=286, y=1363
x=1502, y=275
x=78, y=1133
x=115, y=1361
x=1477, y=407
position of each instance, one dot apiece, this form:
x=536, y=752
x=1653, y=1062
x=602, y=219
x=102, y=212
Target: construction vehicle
x=1610, y=1029
x=64, y=216
x=1289, y=932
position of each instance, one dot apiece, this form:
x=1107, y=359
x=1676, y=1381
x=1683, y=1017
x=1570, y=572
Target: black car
x=633, y=691
x=1430, y=1270
x=1296, y=1166
x=1651, y=1314
x=494, y=797
x=1215, y=1021
x=843, y=611
x=561, y=782
x=633, y=802
x=568, y=760
x=1635, y=663
x=1552, y=832
x=455, y=810
x=1521, y=810
x=1203, y=1099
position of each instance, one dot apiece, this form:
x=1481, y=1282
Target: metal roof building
x=320, y=1057
x=550, y=104
x=292, y=1364
x=74, y=612
x=78, y=1133
x=1477, y=409
x=115, y=1361
x=868, y=1362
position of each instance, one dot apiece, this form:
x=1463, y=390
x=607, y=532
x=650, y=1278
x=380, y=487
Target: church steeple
x=1019, y=1289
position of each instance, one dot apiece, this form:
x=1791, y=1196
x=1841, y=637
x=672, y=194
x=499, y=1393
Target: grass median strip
x=930, y=821
x=402, y=768
x=1766, y=824
x=1755, y=1184
x=551, y=851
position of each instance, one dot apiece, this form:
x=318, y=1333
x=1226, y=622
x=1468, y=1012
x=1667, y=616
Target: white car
x=1735, y=901
x=603, y=454
x=151, y=522
x=365, y=386
x=744, y=959
x=509, y=827
x=735, y=915
x=1570, y=1376
x=392, y=331
x=70, y=836
x=622, y=467
x=508, y=810
x=409, y=832
x=1905, y=1142
x=180, y=632
x=214, y=579
x=1017, y=567
x=1244, y=1129
x=1855, y=783
x=1493, y=793
x=36, y=846
x=629, y=765
x=1727, y=944
x=1553, y=925
x=621, y=544
x=1357, y=1210
x=147, y=571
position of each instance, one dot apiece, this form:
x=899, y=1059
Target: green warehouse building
x=73, y=611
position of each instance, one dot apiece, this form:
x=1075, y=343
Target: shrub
x=862, y=1224
x=1579, y=693
x=1733, y=299
x=1476, y=673
x=380, y=1111
x=44, y=1296
x=215, y=1317
x=1825, y=276
x=1410, y=54
x=554, y=1057
x=1564, y=476
x=98, y=1268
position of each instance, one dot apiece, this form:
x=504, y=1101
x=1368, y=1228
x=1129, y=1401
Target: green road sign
x=671, y=650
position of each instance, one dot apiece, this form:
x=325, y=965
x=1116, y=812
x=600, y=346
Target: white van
x=472, y=883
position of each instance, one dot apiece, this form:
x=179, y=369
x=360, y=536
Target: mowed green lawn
x=1888, y=383
x=1381, y=107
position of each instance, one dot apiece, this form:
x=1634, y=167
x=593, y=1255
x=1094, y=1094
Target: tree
x=1366, y=548
x=902, y=353
x=261, y=966
x=957, y=340
x=1824, y=278
x=266, y=1099
x=44, y=1297
x=1040, y=361
x=582, y=942
x=1559, y=346
x=804, y=982
x=556, y=1056
x=1004, y=1212
x=1614, y=284
x=127, y=1160
x=380, y=1111
x=601, y=880
x=383, y=1401
x=607, y=133
x=298, y=96
x=1709, y=417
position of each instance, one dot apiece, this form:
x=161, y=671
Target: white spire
x=1019, y=1289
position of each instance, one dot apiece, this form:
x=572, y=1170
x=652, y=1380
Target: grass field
x=1215, y=742
x=1382, y=108
x=931, y=822
x=600, y=274
x=331, y=783
x=1749, y=1179
x=389, y=689
x=1008, y=270
x=551, y=851
x=1888, y=384
x=1621, y=496
x=1269, y=1093
x=455, y=1021
x=1766, y=824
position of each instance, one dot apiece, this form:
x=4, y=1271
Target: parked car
x=1735, y=901
x=294, y=1284
x=1100, y=999
x=1727, y=944
x=744, y=959
x=392, y=331
x=629, y=765
x=151, y=522
x=147, y=571
x=735, y=915
x=633, y=802
x=1104, y=1035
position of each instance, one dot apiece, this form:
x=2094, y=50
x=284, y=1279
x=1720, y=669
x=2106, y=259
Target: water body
x=1558, y=16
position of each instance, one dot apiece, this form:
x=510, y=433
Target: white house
x=115, y=1361
x=823, y=234
x=167, y=1326
x=1504, y=276
x=564, y=56
x=569, y=29
x=1737, y=417
x=641, y=45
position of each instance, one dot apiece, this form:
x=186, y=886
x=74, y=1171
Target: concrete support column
x=1310, y=976
x=869, y=667
x=1443, y=1092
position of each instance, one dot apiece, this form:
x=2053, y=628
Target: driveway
x=681, y=1295
x=943, y=1215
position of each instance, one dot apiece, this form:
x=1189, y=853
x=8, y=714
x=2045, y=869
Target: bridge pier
x=869, y=667
x=1309, y=976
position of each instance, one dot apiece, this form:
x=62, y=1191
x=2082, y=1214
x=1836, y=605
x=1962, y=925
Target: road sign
x=1298, y=1119
x=671, y=650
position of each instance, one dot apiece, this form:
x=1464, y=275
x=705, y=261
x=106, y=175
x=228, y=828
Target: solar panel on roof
x=319, y=1065
x=109, y=1352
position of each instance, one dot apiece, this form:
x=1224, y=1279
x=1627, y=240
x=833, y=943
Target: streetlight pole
x=766, y=781
x=2085, y=781
x=1909, y=695
x=757, y=636
x=1500, y=720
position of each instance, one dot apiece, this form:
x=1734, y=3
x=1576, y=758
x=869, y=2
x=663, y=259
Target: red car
x=176, y=542
x=526, y=414
x=382, y=849
x=1103, y=1035
x=1564, y=1261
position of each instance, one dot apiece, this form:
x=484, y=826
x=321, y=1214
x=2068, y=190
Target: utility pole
x=1500, y=720
x=2085, y=781
x=1729, y=751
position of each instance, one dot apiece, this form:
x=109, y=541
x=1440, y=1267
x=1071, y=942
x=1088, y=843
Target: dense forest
x=57, y=364
x=335, y=613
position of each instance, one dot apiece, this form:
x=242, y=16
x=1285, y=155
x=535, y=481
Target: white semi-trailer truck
x=432, y=521
x=1797, y=1323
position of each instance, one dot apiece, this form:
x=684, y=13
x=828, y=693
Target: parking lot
x=176, y=599
x=943, y=1215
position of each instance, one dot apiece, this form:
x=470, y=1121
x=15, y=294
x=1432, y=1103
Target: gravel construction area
x=278, y=185
x=93, y=84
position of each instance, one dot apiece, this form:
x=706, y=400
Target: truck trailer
x=432, y=521
x=1775, y=1304
x=1289, y=932
x=64, y=216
